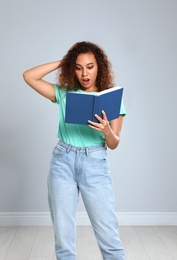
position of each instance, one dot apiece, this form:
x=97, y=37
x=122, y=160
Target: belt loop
x=105, y=146
x=86, y=151
x=68, y=149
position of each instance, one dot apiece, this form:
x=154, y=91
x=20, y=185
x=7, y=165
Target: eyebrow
x=86, y=65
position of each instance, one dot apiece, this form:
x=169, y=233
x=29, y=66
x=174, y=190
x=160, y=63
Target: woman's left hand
x=111, y=130
x=103, y=125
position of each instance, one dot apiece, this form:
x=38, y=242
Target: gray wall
x=140, y=38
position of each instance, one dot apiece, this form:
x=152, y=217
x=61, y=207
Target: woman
x=79, y=160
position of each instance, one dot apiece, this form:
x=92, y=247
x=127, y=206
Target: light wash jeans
x=83, y=170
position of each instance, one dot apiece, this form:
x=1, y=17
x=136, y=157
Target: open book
x=82, y=106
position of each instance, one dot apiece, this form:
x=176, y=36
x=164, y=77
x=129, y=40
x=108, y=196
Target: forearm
x=112, y=140
x=40, y=71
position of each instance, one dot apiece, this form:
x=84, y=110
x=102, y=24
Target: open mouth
x=85, y=81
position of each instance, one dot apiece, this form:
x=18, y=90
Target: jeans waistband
x=69, y=147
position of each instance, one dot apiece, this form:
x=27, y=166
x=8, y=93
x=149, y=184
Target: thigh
x=62, y=187
x=96, y=188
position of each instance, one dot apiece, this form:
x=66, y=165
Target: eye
x=90, y=67
x=78, y=68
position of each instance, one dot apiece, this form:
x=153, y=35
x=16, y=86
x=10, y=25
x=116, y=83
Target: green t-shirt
x=76, y=135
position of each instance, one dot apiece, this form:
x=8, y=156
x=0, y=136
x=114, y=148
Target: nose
x=84, y=72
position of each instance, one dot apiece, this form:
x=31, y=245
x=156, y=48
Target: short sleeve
x=60, y=94
x=122, y=109
x=57, y=94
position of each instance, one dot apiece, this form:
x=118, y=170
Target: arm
x=33, y=78
x=110, y=130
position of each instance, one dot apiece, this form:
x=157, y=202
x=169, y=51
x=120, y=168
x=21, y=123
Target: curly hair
x=67, y=77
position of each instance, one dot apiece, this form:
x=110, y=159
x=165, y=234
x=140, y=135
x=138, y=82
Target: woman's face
x=86, y=71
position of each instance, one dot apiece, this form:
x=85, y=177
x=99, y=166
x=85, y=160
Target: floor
x=140, y=243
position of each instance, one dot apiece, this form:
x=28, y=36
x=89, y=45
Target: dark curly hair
x=67, y=77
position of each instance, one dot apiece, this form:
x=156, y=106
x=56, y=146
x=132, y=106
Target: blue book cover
x=81, y=107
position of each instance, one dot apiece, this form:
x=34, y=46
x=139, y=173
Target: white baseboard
x=124, y=218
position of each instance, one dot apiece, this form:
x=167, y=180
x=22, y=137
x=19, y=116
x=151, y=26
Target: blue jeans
x=84, y=170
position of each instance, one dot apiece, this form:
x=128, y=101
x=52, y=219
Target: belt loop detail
x=86, y=151
x=68, y=149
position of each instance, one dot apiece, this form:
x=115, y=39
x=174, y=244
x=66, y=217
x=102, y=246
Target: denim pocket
x=98, y=155
x=58, y=150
